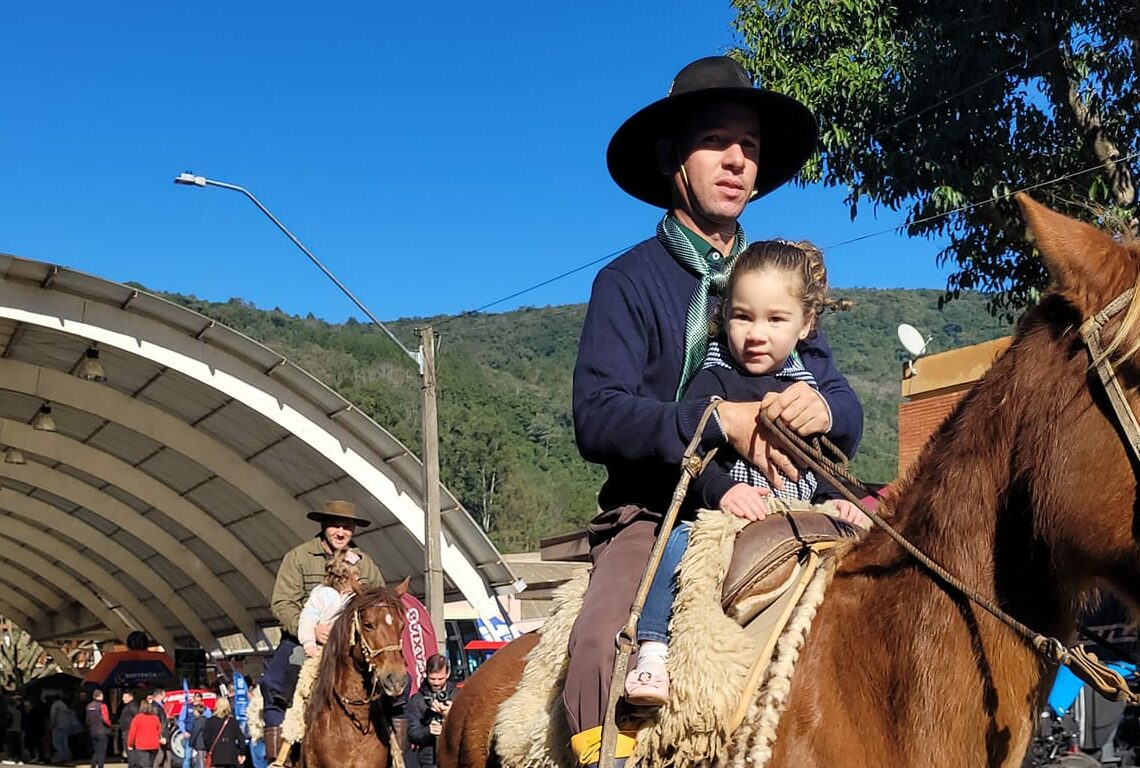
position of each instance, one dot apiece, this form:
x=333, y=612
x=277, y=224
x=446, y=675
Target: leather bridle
x=369, y=655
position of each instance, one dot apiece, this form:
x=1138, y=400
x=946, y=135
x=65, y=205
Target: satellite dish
x=913, y=340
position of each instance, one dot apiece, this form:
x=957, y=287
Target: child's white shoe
x=647, y=685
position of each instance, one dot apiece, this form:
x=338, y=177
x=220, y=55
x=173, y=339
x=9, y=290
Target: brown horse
x=362, y=662
x=1026, y=492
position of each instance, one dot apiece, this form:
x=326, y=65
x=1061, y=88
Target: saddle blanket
x=711, y=661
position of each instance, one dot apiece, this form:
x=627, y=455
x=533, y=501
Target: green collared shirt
x=714, y=257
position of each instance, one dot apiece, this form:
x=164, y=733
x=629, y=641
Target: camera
x=438, y=697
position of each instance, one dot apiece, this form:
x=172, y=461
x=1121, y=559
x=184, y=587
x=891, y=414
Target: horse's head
x=1071, y=459
x=377, y=617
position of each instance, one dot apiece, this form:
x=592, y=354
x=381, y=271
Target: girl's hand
x=742, y=500
x=845, y=510
x=311, y=650
x=800, y=407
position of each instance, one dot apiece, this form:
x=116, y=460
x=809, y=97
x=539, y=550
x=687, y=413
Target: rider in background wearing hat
x=702, y=153
x=303, y=568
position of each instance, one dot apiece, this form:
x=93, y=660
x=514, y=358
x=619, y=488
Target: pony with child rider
x=302, y=570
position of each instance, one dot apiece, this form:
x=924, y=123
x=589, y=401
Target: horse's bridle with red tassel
x=369, y=653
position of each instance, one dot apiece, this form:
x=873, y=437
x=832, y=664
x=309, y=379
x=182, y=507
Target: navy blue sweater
x=629, y=365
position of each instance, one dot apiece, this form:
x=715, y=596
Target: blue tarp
x=1067, y=686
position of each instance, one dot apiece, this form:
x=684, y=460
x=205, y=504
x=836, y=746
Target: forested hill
x=506, y=436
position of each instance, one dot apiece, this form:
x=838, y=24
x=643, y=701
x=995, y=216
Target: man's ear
x=668, y=157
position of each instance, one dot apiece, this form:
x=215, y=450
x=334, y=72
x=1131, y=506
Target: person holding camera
x=427, y=710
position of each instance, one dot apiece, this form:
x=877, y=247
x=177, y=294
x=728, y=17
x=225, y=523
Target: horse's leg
x=466, y=738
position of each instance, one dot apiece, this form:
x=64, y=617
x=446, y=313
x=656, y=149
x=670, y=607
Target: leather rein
x=370, y=655
x=1080, y=661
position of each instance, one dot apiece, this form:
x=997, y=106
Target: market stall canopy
x=130, y=669
x=155, y=466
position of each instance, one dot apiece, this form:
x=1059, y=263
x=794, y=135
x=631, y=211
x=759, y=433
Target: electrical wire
x=860, y=238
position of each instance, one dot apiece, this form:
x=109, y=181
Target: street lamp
x=424, y=359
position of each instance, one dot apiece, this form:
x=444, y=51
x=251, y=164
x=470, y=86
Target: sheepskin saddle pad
x=728, y=681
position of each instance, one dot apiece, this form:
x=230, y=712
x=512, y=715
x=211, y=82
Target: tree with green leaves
x=929, y=107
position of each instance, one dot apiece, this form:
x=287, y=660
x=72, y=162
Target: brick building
x=933, y=386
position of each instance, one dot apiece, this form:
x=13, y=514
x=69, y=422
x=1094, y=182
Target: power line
x=962, y=92
x=860, y=238
x=536, y=286
x=987, y=201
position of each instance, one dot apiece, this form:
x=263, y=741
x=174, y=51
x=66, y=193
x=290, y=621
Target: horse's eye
x=369, y=626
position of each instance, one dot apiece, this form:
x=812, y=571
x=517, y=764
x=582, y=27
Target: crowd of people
x=77, y=728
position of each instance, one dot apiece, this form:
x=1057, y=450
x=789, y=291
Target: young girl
x=773, y=299
x=325, y=603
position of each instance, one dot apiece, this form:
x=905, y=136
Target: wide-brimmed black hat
x=339, y=510
x=787, y=130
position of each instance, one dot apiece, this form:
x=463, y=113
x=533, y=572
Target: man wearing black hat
x=302, y=569
x=702, y=153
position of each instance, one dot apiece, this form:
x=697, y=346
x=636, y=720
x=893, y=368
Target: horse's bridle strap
x=1090, y=333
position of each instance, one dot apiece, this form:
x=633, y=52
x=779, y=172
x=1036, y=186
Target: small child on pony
x=324, y=604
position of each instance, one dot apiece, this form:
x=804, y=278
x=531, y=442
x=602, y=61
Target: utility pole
x=424, y=358
x=432, y=523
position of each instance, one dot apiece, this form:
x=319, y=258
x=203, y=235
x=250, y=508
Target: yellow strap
x=587, y=745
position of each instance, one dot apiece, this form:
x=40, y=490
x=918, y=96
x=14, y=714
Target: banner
x=419, y=639
x=241, y=696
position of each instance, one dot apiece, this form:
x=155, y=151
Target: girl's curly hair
x=804, y=260
x=339, y=573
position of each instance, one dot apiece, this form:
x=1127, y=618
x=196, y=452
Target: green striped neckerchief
x=712, y=268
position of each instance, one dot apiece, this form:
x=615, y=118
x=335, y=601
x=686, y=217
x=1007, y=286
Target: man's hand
x=800, y=407
x=742, y=500
x=321, y=631
x=753, y=443
x=435, y=727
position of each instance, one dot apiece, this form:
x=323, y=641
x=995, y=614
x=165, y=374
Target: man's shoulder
x=646, y=254
x=307, y=548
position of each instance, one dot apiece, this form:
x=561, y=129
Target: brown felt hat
x=788, y=131
x=339, y=510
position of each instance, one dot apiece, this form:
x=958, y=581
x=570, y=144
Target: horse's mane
x=336, y=650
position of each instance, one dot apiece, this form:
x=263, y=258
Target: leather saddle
x=770, y=554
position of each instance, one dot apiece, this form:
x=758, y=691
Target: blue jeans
x=654, y=622
x=60, y=749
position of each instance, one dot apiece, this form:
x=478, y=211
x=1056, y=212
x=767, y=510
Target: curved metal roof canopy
x=168, y=493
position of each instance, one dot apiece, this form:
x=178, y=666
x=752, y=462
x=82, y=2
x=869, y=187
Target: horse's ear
x=1082, y=260
x=402, y=587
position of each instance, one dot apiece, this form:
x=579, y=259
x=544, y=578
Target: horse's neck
x=940, y=672
x=351, y=683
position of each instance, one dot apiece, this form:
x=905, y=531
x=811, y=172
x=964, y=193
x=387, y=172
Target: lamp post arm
x=416, y=356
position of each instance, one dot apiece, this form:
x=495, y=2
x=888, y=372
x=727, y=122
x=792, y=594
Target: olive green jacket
x=303, y=568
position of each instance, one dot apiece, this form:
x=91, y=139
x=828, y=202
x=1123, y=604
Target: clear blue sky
x=436, y=156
